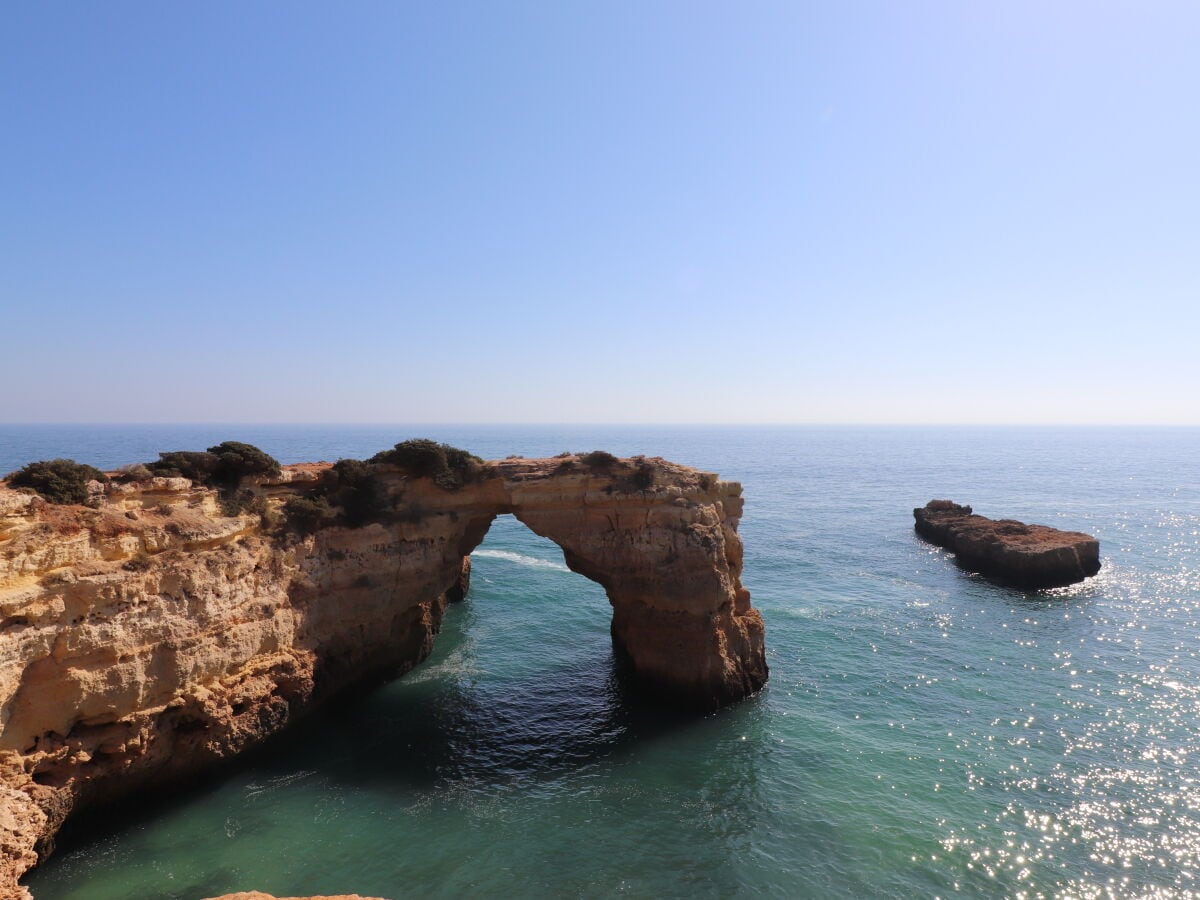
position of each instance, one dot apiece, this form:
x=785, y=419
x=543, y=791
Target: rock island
x=1025, y=556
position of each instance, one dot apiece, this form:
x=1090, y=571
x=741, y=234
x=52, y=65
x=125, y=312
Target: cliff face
x=153, y=635
x=1025, y=556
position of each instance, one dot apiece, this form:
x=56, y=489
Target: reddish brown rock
x=156, y=634
x=1025, y=556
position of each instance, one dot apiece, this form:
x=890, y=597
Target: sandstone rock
x=1026, y=556
x=135, y=651
x=21, y=824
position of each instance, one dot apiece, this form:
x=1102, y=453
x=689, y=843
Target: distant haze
x=610, y=212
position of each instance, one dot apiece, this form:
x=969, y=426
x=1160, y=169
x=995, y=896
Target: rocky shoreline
x=160, y=628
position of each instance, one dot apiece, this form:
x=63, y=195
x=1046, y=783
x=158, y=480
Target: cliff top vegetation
x=57, y=480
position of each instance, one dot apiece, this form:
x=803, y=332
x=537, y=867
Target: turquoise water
x=924, y=733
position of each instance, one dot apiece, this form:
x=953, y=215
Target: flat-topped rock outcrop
x=167, y=625
x=1025, y=556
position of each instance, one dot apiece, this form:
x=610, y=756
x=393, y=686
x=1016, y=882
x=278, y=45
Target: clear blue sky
x=605, y=212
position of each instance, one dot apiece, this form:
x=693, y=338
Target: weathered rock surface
x=1026, y=556
x=259, y=895
x=154, y=635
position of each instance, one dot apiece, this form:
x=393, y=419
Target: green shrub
x=234, y=502
x=258, y=505
x=306, y=514
x=419, y=457
x=194, y=464
x=449, y=467
x=224, y=465
x=350, y=492
x=356, y=487
x=460, y=460
x=452, y=479
x=57, y=480
x=643, y=476
x=598, y=459
x=236, y=460
x=134, y=472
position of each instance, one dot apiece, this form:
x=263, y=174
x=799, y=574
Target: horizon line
x=547, y=424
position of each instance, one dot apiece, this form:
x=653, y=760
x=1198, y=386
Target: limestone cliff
x=157, y=633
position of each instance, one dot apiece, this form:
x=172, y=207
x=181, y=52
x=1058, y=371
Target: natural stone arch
x=668, y=557
x=155, y=635
x=681, y=617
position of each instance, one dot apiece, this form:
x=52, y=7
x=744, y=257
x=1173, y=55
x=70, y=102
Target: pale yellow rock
x=136, y=649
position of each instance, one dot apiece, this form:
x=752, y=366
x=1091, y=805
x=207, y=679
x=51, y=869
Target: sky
x=609, y=212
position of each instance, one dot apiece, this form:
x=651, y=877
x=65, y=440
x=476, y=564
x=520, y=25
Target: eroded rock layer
x=157, y=633
x=1026, y=556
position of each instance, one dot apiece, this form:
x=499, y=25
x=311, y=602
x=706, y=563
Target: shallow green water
x=925, y=733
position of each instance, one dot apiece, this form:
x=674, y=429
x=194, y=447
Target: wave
x=522, y=559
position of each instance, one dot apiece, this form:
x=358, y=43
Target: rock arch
x=669, y=559
x=155, y=635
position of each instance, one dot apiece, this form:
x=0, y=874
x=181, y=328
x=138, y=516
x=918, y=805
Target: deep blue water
x=924, y=733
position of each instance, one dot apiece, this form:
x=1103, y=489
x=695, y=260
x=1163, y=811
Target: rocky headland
x=1024, y=556
x=167, y=623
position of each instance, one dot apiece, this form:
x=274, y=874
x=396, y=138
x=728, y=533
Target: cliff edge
x=167, y=625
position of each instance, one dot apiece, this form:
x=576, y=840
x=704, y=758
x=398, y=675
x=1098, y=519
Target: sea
x=924, y=733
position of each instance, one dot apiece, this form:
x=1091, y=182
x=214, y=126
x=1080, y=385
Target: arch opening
x=666, y=552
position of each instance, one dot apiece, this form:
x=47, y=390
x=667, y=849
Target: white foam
x=522, y=559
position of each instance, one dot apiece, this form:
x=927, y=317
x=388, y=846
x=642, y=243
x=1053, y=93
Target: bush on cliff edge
x=305, y=515
x=192, y=464
x=449, y=467
x=600, y=460
x=57, y=480
x=355, y=486
x=236, y=460
x=224, y=465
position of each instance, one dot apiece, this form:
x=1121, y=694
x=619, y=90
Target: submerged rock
x=1025, y=556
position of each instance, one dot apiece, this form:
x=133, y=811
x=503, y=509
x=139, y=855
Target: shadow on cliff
x=435, y=728
x=448, y=730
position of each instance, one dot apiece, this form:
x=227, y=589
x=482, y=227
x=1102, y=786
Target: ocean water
x=925, y=733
